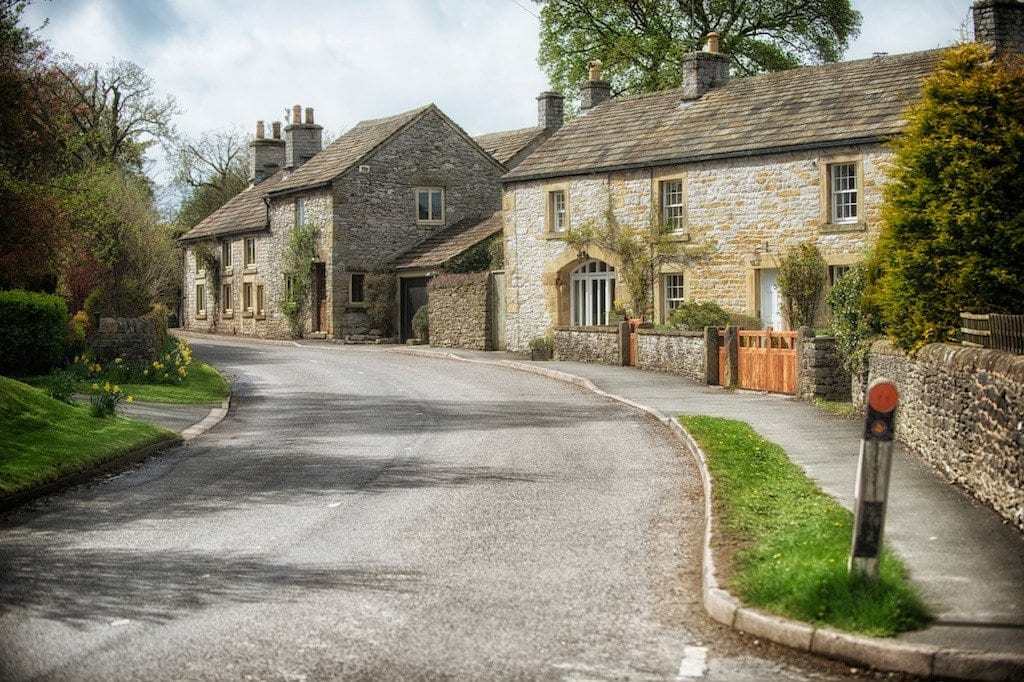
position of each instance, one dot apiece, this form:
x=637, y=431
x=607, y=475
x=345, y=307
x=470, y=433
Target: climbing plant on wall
x=298, y=272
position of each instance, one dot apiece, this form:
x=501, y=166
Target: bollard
x=873, y=469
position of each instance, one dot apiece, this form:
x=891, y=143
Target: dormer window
x=430, y=205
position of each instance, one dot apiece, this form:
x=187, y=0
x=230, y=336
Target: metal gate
x=766, y=361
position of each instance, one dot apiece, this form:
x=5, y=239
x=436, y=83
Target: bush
x=953, y=216
x=159, y=314
x=78, y=330
x=852, y=322
x=379, y=289
x=694, y=316
x=802, y=273
x=33, y=327
x=744, y=321
x=421, y=324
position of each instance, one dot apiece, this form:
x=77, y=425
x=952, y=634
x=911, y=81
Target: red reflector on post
x=883, y=396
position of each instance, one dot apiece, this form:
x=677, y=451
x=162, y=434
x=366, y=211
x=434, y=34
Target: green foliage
x=802, y=273
x=542, y=346
x=77, y=330
x=853, y=323
x=421, y=323
x=487, y=255
x=743, y=321
x=60, y=385
x=380, y=288
x=105, y=398
x=953, y=218
x=641, y=44
x=642, y=249
x=794, y=539
x=695, y=316
x=298, y=269
x=33, y=327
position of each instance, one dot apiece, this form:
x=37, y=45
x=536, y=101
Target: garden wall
x=677, y=352
x=458, y=311
x=131, y=338
x=962, y=410
x=820, y=371
x=589, y=344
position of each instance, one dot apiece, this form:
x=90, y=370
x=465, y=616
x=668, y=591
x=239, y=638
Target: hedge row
x=33, y=328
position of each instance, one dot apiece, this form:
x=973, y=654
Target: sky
x=231, y=62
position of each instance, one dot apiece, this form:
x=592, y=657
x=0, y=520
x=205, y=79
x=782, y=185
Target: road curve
x=363, y=514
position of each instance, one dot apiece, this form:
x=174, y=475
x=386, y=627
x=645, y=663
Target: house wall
x=734, y=207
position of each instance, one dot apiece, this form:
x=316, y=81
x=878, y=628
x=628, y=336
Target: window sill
x=560, y=236
x=839, y=228
x=229, y=271
x=359, y=305
x=200, y=316
x=429, y=222
x=201, y=274
x=227, y=315
x=250, y=270
x=247, y=313
x=261, y=316
x=680, y=236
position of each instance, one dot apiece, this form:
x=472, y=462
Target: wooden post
x=732, y=357
x=624, y=343
x=711, y=356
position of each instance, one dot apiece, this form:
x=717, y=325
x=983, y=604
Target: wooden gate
x=766, y=361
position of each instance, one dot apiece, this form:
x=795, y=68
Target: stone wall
x=458, y=311
x=679, y=352
x=962, y=410
x=734, y=206
x=131, y=338
x=820, y=371
x=588, y=344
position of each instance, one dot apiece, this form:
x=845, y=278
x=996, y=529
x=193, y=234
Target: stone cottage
x=379, y=190
x=740, y=169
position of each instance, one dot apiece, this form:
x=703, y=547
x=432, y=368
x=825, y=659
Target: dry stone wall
x=131, y=338
x=680, y=352
x=820, y=372
x=962, y=410
x=458, y=311
x=588, y=344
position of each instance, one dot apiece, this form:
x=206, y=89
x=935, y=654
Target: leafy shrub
x=159, y=314
x=421, y=324
x=953, y=216
x=298, y=269
x=743, y=321
x=77, y=331
x=802, y=273
x=106, y=398
x=33, y=327
x=695, y=316
x=479, y=257
x=379, y=288
x=852, y=321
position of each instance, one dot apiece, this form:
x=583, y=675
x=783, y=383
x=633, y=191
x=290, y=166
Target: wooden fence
x=992, y=330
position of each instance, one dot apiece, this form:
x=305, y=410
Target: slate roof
x=814, y=106
x=345, y=151
x=442, y=246
x=244, y=212
x=506, y=144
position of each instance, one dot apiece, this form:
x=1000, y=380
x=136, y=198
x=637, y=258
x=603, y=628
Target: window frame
x=670, y=303
x=352, y=288
x=558, y=220
x=431, y=218
x=839, y=198
x=582, y=292
x=664, y=206
x=249, y=262
x=832, y=267
x=225, y=301
x=247, y=302
x=225, y=255
x=260, y=302
x=300, y=211
x=827, y=218
x=200, y=305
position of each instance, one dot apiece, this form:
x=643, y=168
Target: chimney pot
x=1000, y=24
x=594, y=70
x=302, y=141
x=309, y=116
x=276, y=127
x=296, y=114
x=266, y=156
x=594, y=91
x=550, y=110
x=260, y=130
x=712, y=44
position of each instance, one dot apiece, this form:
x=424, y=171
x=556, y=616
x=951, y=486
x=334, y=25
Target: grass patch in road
x=42, y=439
x=793, y=539
x=846, y=410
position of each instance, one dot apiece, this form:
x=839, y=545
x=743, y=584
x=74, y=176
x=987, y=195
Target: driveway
x=369, y=515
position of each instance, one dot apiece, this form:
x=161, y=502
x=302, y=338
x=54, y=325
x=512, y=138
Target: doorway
x=319, y=296
x=770, y=299
x=414, y=296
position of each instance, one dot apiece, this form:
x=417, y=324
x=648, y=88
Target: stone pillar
x=732, y=357
x=711, y=356
x=550, y=110
x=804, y=372
x=624, y=343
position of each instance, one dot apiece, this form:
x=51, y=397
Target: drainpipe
x=266, y=202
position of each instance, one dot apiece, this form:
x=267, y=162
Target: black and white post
x=873, y=469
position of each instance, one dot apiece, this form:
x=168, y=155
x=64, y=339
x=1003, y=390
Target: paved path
x=368, y=515
x=968, y=562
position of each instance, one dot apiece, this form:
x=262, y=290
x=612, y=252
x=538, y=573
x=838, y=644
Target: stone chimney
x=704, y=71
x=266, y=155
x=302, y=139
x=594, y=91
x=1000, y=23
x=550, y=110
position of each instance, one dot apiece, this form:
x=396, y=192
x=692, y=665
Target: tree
x=211, y=169
x=802, y=273
x=641, y=42
x=643, y=251
x=953, y=216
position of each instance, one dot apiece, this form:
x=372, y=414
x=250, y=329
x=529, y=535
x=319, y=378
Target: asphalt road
x=363, y=514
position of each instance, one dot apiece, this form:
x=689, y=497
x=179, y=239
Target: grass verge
x=792, y=539
x=42, y=439
x=204, y=385
x=838, y=408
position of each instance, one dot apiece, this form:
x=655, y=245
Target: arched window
x=591, y=293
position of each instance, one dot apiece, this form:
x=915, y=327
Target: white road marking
x=332, y=505
x=296, y=344
x=694, y=663
x=119, y=623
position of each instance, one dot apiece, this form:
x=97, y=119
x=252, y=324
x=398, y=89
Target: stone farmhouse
x=407, y=189
x=740, y=168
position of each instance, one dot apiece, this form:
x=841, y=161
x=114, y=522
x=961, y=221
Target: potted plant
x=542, y=348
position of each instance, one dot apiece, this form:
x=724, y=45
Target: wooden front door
x=414, y=296
x=767, y=361
x=319, y=294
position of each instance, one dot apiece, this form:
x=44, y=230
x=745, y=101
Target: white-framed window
x=836, y=272
x=673, y=212
x=591, y=293
x=259, y=300
x=300, y=212
x=225, y=302
x=843, y=192
x=556, y=210
x=675, y=292
x=200, y=299
x=357, y=288
x=430, y=205
x=250, y=252
x=200, y=268
x=225, y=254
x=247, y=297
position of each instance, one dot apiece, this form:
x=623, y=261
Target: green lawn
x=792, y=539
x=42, y=439
x=204, y=385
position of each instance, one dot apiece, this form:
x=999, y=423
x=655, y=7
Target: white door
x=771, y=301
